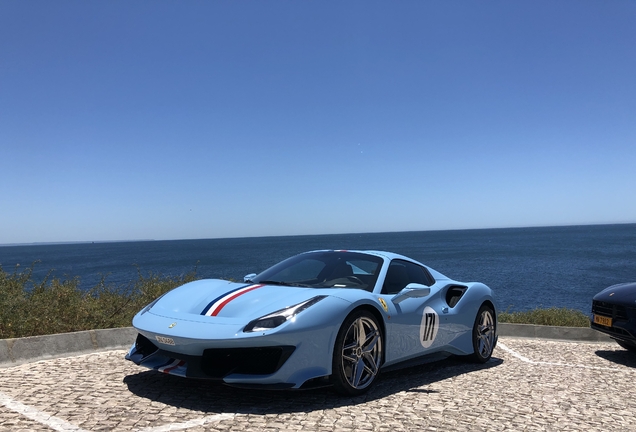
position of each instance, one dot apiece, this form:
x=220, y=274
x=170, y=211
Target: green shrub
x=28, y=308
x=551, y=317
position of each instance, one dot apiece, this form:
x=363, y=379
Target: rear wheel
x=484, y=334
x=357, y=354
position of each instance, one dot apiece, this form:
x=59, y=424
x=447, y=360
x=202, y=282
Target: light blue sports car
x=330, y=317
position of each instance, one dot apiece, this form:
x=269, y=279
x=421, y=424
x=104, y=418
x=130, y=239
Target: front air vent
x=219, y=362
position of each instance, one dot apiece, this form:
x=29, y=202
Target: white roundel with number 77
x=429, y=326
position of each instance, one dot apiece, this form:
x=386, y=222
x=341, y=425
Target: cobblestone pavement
x=528, y=385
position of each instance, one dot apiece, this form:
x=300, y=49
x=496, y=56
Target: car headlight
x=277, y=318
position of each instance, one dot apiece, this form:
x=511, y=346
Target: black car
x=614, y=313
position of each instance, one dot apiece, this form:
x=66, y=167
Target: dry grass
x=551, y=317
x=29, y=308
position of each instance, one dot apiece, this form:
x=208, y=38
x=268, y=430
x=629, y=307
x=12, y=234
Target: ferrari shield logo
x=384, y=305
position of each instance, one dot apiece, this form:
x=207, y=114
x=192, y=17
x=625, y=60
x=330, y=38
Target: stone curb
x=14, y=352
x=575, y=334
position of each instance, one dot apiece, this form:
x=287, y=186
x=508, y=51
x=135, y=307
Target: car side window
x=401, y=273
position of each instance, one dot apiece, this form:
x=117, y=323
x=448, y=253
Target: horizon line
x=303, y=235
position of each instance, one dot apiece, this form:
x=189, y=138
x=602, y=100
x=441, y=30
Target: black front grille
x=617, y=312
x=219, y=362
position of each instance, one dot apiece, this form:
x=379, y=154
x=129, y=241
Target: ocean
x=527, y=267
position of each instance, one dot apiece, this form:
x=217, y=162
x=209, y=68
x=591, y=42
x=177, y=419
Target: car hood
x=209, y=299
x=624, y=294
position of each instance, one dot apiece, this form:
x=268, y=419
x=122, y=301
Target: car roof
x=382, y=254
x=387, y=256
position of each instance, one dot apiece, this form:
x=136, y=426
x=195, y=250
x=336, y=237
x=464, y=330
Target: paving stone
x=533, y=385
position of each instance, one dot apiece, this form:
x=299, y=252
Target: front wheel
x=357, y=354
x=484, y=334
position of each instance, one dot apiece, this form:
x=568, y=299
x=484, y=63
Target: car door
x=414, y=325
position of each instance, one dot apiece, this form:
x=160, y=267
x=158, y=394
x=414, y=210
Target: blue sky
x=201, y=119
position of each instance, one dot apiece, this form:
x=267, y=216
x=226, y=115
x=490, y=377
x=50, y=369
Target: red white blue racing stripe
x=171, y=366
x=215, y=306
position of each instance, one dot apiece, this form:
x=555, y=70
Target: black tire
x=357, y=354
x=484, y=334
x=628, y=346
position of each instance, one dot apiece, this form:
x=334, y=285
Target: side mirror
x=412, y=290
x=248, y=278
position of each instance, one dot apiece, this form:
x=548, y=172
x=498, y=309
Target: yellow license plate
x=604, y=321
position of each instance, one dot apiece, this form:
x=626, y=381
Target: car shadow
x=623, y=357
x=213, y=397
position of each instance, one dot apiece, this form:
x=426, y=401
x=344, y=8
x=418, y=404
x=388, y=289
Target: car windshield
x=325, y=269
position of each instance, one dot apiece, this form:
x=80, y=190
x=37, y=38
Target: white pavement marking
x=38, y=416
x=188, y=424
x=64, y=426
x=527, y=360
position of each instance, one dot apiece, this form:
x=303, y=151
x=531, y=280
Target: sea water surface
x=527, y=267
